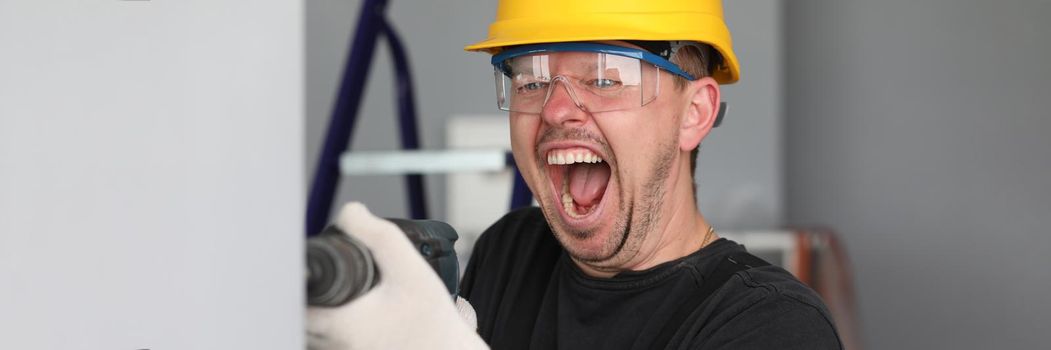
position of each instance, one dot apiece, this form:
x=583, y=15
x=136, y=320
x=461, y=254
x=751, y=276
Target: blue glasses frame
x=500, y=60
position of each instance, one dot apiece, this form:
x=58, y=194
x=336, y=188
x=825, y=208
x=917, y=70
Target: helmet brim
x=616, y=26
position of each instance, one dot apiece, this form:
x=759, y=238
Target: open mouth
x=581, y=177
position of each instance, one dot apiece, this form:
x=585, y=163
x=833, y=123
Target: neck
x=681, y=234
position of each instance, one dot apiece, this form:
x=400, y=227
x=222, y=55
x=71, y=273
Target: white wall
x=150, y=175
x=739, y=172
x=919, y=130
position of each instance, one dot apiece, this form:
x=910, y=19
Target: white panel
x=150, y=174
x=422, y=162
x=478, y=199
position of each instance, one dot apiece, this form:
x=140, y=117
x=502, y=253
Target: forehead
x=570, y=55
x=571, y=60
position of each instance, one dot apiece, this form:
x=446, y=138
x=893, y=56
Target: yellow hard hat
x=521, y=22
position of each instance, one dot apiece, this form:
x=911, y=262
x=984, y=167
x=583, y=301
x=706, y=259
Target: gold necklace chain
x=708, y=235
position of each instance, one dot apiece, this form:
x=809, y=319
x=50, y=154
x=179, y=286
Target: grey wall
x=739, y=170
x=150, y=178
x=919, y=130
x=740, y=164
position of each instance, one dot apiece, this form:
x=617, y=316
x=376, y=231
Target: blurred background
x=155, y=158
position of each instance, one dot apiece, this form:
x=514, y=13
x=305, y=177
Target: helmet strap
x=659, y=48
x=668, y=49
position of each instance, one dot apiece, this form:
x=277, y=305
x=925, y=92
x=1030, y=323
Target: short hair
x=698, y=60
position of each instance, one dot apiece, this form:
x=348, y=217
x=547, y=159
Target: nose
x=561, y=107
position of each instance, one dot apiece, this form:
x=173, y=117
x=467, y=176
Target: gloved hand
x=408, y=309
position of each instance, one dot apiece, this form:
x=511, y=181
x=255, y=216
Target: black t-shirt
x=528, y=294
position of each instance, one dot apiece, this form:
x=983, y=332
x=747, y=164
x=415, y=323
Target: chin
x=597, y=244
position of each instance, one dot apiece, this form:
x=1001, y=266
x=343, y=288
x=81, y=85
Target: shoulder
x=520, y=240
x=518, y=229
x=518, y=220
x=766, y=308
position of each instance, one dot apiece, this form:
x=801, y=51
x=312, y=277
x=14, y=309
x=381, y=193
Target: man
x=609, y=102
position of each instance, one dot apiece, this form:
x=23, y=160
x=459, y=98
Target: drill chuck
x=341, y=268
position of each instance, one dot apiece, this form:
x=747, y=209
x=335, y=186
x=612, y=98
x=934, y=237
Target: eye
x=604, y=84
x=531, y=87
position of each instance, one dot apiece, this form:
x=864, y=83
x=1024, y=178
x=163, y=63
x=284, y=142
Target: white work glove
x=409, y=308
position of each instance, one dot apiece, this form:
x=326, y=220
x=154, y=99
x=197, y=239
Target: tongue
x=587, y=182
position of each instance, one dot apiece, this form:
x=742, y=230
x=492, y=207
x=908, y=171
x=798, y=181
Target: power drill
x=340, y=268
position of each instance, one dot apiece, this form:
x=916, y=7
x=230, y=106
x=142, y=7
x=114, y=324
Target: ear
x=701, y=110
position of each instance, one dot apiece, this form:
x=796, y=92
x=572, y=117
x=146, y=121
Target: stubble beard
x=631, y=226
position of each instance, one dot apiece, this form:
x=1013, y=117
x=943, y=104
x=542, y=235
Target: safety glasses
x=596, y=77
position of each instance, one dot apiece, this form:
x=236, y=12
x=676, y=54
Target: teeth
x=567, y=201
x=566, y=157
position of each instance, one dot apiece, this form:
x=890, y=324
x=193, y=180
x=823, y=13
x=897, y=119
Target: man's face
x=603, y=212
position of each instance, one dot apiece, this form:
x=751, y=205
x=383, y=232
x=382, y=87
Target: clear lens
x=596, y=82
